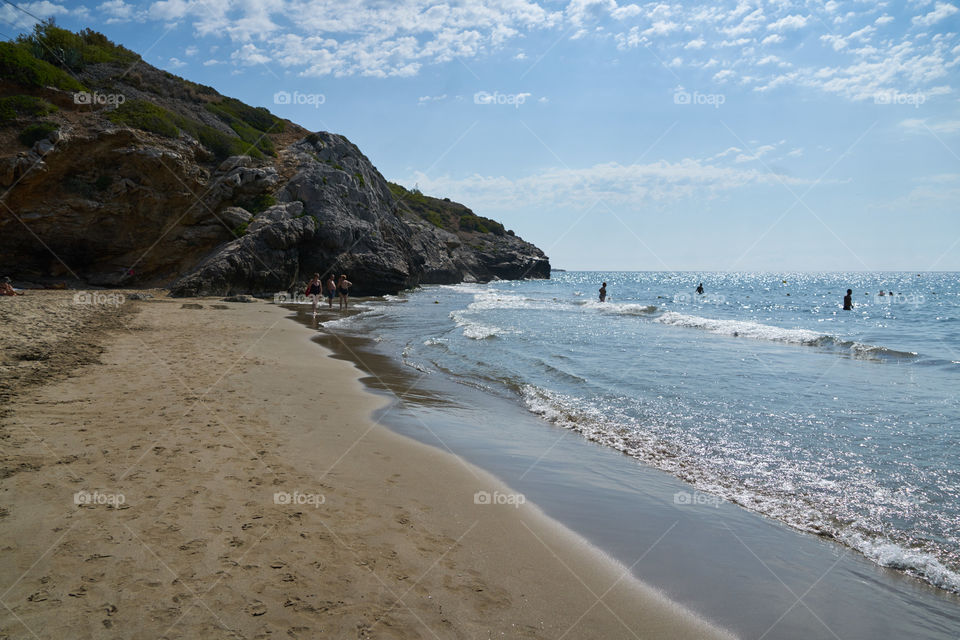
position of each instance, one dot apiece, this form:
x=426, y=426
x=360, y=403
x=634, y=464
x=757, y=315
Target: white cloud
x=884, y=19
x=749, y=24
x=723, y=75
x=425, y=100
x=43, y=9
x=789, y=23
x=176, y=63
x=613, y=182
x=191, y=51
x=695, y=44
x=917, y=125
x=661, y=28
x=116, y=11
x=941, y=10
x=773, y=38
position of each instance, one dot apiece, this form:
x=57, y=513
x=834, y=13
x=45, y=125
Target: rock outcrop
x=147, y=193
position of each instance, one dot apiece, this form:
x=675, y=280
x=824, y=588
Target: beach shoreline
x=216, y=475
x=623, y=506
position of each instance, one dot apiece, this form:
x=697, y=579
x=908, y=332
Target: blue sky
x=769, y=135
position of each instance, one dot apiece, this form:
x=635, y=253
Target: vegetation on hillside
x=19, y=65
x=23, y=106
x=50, y=57
x=445, y=214
x=71, y=50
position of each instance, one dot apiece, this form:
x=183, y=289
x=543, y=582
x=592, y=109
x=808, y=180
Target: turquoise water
x=761, y=391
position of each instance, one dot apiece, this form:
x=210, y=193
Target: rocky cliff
x=116, y=173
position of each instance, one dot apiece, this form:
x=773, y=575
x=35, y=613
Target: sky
x=774, y=135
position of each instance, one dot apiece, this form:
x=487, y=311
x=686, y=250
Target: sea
x=761, y=393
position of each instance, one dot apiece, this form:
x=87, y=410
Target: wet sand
x=200, y=469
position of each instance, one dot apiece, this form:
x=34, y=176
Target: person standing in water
x=343, y=287
x=603, y=292
x=700, y=289
x=848, y=301
x=314, y=291
x=331, y=290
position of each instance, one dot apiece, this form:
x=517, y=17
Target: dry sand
x=177, y=423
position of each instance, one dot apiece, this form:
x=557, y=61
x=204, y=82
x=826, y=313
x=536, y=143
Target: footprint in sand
x=256, y=608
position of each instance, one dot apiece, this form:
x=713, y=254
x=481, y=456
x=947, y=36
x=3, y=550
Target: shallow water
x=762, y=391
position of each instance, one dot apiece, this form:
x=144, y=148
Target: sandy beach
x=193, y=468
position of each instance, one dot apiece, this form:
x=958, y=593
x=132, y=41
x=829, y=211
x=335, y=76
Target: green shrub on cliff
x=18, y=65
x=471, y=222
x=140, y=114
x=71, y=50
x=13, y=107
x=445, y=214
x=147, y=116
x=35, y=132
x=252, y=124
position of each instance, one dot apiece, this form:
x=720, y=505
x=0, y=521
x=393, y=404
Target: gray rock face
x=116, y=207
x=337, y=215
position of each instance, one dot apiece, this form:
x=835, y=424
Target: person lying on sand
x=6, y=289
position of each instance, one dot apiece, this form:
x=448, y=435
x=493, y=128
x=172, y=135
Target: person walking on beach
x=331, y=290
x=848, y=301
x=343, y=287
x=314, y=290
x=700, y=289
x=603, y=292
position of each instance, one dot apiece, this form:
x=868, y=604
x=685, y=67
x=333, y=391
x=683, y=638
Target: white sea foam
x=473, y=329
x=778, y=501
x=742, y=328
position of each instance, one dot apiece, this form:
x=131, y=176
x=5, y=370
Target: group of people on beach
x=330, y=289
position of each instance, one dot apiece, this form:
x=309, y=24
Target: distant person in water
x=314, y=291
x=603, y=292
x=700, y=289
x=343, y=288
x=331, y=290
x=848, y=301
